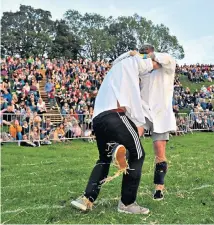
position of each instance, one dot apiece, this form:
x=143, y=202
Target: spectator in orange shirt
x=15, y=130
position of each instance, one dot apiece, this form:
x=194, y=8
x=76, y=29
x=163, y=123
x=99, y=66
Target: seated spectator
x=26, y=88
x=39, y=77
x=17, y=86
x=209, y=106
x=3, y=103
x=28, y=116
x=73, y=114
x=57, y=86
x=8, y=113
x=41, y=108
x=26, y=142
x=200, y=109
x=203, y=104
x=47, y=126
x=68, y=128
x=6, y=82
x=25, y=128
x=35, y=136
x=65, y=109
x=77, y=132
x=175, y=109
x=7, y=95
x=15, y=130
x=36, y=119
x=59, y=133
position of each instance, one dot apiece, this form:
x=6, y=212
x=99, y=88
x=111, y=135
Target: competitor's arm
x=121, y=57
x=165, y=60
x=155, y=65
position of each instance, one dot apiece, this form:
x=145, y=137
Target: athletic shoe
x=158, y=195
x=119, y=157
x=82, y=203
x=133, y=208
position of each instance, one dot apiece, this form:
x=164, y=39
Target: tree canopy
x=32, y=31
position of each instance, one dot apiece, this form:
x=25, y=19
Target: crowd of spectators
x=197, y=73
x=199, y=100
x=73, y=85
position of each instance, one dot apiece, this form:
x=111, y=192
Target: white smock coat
x=122, y=84
x=157, y=92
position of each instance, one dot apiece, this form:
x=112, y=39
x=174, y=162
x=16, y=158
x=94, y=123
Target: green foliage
x=65, y=44
x=108, y=37
x=27, y=31
x=37, y=184
x=31, y=31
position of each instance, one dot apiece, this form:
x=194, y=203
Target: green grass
x=192, y=85
x=38, y=184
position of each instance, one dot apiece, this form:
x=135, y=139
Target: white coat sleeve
x=166, y=61
x=145, y=65
x=121, y=57
x=127, y=91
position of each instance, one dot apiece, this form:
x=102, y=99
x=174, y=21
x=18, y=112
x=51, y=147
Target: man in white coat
x=157, y=93
x=119, y=118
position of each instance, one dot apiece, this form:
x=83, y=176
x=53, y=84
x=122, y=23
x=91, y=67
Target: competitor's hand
x=133, y=53
x=151, y=55
x=140, y=131
x=156, y=65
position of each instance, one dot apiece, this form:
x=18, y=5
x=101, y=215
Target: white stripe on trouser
x=138, y=146
x=134, y=135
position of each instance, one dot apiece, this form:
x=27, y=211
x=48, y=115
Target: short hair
x=146, y=47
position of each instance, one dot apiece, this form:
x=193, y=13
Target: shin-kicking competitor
x=119, y=118
x=157, y=92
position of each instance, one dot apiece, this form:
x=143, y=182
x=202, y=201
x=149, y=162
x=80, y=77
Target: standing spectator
x=48, y=86
x=51, y=98
x=30, y=61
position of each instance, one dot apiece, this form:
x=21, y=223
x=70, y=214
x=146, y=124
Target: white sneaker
x=133, y=208
x=82, y=203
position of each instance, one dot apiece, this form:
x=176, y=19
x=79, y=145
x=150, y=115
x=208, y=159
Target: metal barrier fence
x=182, y=123
x=43, y=129
x=201, y=121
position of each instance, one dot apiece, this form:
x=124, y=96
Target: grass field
x=192, y=85
x=38, y=184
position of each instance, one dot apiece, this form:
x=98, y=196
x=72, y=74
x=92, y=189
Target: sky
x=190, y=20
